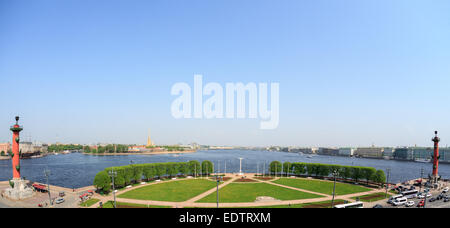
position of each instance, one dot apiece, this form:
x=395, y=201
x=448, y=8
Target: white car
x=410, y=203
x=59, y=200
x=445, y=190
x=400, y=201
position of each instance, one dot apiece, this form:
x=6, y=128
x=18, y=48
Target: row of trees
x=111, y=148
x=131, y=174
x=325, y=170
x=59, y=148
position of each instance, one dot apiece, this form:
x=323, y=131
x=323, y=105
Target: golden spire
x=149, y=141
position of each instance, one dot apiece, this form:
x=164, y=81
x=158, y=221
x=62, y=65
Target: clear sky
x=351, y=72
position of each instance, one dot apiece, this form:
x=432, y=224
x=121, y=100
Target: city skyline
x=350, y=74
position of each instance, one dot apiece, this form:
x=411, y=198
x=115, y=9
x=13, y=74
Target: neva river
x=78, y=170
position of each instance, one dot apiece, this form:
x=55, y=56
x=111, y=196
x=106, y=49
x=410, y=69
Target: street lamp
x=217, y=189
x=113, y=174
x=335, y=173
x=387, y=181
x=47, y=174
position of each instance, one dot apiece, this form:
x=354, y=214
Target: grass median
x=174, y=191
x=248, y=192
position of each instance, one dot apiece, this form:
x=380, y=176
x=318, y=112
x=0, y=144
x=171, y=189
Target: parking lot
x=434, y=204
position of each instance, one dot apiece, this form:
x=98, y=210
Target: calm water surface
x=78, y=170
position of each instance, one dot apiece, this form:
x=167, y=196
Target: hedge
x=135, y=173
x=325, y=170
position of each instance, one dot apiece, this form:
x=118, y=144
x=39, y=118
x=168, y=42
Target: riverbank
x=144, y=153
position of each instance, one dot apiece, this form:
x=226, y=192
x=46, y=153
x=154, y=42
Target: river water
x=78, y=170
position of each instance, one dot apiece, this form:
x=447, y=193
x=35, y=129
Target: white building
x=346, y=152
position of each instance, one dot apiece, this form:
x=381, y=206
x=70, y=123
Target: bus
x=410, y=194
x=350, y=205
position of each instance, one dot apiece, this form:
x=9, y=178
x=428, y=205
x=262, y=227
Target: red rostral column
x=16, y=129
x=436, y=156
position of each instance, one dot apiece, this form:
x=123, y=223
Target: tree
x=137, y=172
x=368, y=173
x=172, y=169
x=207, y=167
x=287, y=168
x=194, y=167
x=149, y=171
x=275, y=167
x=356, y=173
x=379, y=177
x=299, y=168
x=102, y=181
x=87, y=149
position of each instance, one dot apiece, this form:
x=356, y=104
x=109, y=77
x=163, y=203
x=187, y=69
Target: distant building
x=348, y=152
x=403, y=154
x=5, y=147
x=445, y=155
x=328, y=151
x=369, y=152
x=388, y=153
x=26, y=147
x=421, y=153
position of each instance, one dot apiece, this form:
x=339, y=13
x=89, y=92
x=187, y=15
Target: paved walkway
x=192, y=202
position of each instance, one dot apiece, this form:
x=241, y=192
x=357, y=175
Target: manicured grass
x=174, y=191
x=322, y=204
x=372, y=197
x=89, y=202
x=324, y=187
x=110, y=204
x=248, y=192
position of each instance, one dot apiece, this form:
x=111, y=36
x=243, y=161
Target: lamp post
x=421, y=179
x=387, y=181
x=47, y=174
x=113, y=174
x=335, y=173
x=217, y=189
x=240, y=166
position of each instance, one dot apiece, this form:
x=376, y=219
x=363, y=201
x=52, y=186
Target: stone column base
x=20, y=190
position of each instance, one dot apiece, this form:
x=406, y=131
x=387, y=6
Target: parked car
x=59, y=200
x=377, y=206
x=62, y=194
x=446, y=199
x=393, y=198
x=432, y=200
x=445, y=190
x=421, y=203
x=400, y=201
x=410, y=203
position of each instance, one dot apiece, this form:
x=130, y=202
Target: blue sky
x=351, y=73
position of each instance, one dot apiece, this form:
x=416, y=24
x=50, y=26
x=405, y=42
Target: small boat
x=422, y=160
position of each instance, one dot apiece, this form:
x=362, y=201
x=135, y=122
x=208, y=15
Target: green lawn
x=89, y=202
x=324, y=187
x=248, y=192
x=175, y=191
x=110, y=204
x=373, y=197
x=322, y=204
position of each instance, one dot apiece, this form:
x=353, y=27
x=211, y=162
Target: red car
x=421, y=203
